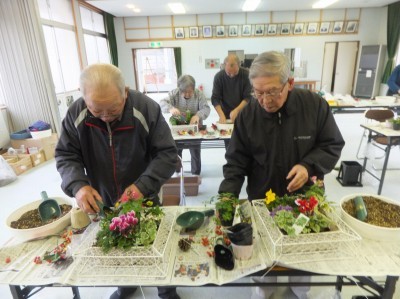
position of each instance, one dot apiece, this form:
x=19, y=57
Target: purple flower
x=280, y=208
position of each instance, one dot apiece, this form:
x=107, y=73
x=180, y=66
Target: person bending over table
x=187, y=98
x=231, y=90
x=114, y=141
x=281, y=140
x=394, y=82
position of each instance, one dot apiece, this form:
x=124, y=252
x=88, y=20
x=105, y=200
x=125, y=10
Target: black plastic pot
x=241, y=234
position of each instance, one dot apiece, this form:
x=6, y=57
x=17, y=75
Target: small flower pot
x=396, y=126
x=242, y=252
x=225, y=222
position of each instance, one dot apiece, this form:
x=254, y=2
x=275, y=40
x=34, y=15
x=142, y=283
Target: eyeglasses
x=268, y=95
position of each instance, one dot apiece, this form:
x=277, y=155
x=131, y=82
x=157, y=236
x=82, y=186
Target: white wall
x=372, y=30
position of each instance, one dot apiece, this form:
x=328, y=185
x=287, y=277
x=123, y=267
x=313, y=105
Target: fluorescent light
x=177, y=8
x=323, y=3
x=130, y=6
x=250, y=5
x=136, y=10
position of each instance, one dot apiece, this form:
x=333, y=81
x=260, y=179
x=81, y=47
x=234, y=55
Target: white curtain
x=27, y=83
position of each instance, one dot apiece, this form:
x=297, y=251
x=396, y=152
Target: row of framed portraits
x=268, y=29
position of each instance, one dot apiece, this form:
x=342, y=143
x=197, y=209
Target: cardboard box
x=172, y=186
x=19, y=163
x=38, y=158
x=48, y=144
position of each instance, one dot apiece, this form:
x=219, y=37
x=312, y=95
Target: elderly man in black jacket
x=281, y=139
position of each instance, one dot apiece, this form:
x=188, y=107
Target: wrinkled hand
x=86, y=199
x=131, y=192
x=222, y=120
x=174, y=111
x=234, y=113
x=298, y=176
x=194, y=120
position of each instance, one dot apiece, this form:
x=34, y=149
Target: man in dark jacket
x=114, y=142
x=281, y=140
x=231, y=90
x=394, y=82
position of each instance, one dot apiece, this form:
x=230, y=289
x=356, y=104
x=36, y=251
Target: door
x=340, y=59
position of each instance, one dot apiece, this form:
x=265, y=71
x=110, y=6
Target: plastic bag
x=7, y=174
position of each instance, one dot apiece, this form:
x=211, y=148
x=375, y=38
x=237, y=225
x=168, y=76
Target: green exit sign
x=155, y=44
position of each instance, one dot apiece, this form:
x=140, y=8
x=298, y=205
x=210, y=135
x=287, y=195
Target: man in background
x=394, y=82
x=231, y=90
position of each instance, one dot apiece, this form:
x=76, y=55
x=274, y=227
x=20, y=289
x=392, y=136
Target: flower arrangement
x=301, y=213
x=132, y=222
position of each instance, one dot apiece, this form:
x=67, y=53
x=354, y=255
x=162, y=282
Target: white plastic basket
x=141, y=261
x=313, y=246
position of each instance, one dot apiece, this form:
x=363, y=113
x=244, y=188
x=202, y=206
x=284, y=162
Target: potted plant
x=225, y=207
x=396, y=123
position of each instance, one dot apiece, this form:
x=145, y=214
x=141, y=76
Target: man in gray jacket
x=114, y=141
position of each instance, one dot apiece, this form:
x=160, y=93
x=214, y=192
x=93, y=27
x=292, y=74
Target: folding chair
x=381, y=142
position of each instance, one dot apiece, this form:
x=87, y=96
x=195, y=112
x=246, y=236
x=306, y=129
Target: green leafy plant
x=395, y=120
x=130, y=223
x=285, y=210
x=225, y=205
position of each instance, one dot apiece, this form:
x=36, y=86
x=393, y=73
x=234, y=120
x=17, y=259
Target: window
x=63, y=49
x=94, y=36
x=155, y=69
x=2, y=96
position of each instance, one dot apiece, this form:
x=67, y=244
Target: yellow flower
x=270, y=196
x=149, y=203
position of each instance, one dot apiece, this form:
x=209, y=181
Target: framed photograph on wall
x=298, y=28
x=207, y=31
x=351, y=26
x=324, y=27
x=179, y=32
x=312, y=28
x=338, y=27
x=220, y=31
x=233, y=30
x=285, y=29
x=259, y=29
x=246, y=30
x=271, y=29
x=193, y=32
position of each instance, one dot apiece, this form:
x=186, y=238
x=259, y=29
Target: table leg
x=390, y=287
x=387, y=153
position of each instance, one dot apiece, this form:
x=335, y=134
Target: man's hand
x=298, y=176
x=195, y=119
x=222, y=119
x=86, y=199
x=174, y=111
x=131, y=193
x=234, y=113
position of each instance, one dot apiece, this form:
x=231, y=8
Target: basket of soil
x=382, y=221
x=25, y=222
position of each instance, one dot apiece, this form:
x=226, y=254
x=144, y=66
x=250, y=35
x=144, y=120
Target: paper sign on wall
x=368, y=74
x=212, y=63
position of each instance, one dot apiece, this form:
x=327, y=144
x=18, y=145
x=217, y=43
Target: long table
x=353, y=265
x=391, y=136
x=361, y=106
x=205, y=142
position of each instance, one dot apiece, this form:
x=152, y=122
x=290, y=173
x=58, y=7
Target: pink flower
x=112, y=226
x=131, y=213
x=116, y=220
x=135, y=221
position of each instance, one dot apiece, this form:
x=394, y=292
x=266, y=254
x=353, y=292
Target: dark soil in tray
x=379, y=213
x=31, y=219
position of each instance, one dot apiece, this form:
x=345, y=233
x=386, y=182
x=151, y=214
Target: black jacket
x=265, y=146
x=140, y=150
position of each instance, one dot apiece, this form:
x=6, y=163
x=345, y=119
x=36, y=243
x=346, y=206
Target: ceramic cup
x=79, y=219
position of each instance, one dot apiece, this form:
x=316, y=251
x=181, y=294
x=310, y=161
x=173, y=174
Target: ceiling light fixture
x=250, y=5
x=323, y=3
x=136, y=10
x=130, y=6
x=177, y=8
